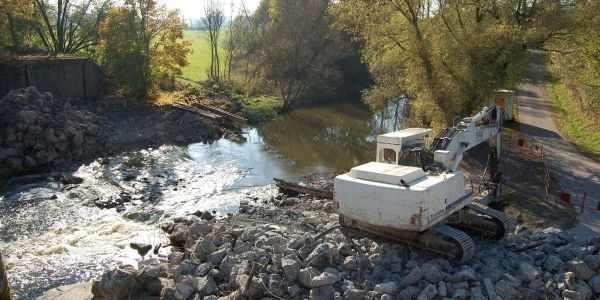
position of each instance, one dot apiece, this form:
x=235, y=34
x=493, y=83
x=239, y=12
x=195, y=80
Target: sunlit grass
x=261, y=108
x=571, y=121
x=199, y=60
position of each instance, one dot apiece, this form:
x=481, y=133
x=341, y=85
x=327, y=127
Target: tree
x=213, y=20
x=70, y=26
x=16, y=21
x=141, y=45
x=576, y=60
x=447, y=56
x=297, y=50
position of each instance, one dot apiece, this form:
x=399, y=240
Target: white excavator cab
x=390, y=145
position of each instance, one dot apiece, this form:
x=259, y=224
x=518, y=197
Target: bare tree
x=214, y=19
x=70, y=26
x=230, y=44
x=299, y=50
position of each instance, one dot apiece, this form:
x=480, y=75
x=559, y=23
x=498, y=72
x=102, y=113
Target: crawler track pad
x=486, y=222
x=441, y=239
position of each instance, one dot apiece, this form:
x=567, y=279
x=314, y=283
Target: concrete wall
x=65, y=77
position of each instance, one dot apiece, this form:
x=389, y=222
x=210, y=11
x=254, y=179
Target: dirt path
x=573, y=172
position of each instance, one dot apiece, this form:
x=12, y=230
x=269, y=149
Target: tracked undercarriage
x=448, y=239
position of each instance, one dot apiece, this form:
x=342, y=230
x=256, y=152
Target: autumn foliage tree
x=141, y=45
x=447, y=56
x=16, y=25
x=297, y=51
x=576, y=60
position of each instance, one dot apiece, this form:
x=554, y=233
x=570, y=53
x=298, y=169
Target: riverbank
x=255, y=108
x=42, y=133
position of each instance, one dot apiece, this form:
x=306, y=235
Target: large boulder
x=580, y=269
x=386, y=288
x=322, y=293
x=527, y=272
x=185, y=287
x=306, y=275
x=291, y=268
x=321, y=256
x=507, y=290
x=206, y=286
x=120, y=283
x=413, y=277
x=328, y=277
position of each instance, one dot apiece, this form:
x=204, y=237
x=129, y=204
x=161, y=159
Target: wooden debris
x=197, y=111
x=210, y=112
x=294, y=187
x=223, y=113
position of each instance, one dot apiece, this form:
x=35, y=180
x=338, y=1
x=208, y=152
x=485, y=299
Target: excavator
x=415, y=193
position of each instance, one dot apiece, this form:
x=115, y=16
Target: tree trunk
x=4, y=287
x=13, y=32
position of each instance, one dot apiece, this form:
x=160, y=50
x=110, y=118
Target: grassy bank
x=257, y=109
x=571, y=121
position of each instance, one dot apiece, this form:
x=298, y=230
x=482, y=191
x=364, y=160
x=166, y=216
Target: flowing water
x=52, y=234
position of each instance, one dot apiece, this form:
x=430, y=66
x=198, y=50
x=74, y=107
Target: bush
x=260, y=109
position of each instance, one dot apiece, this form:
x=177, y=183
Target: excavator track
x=459, y=238
x=485, y=221
x=441, y=239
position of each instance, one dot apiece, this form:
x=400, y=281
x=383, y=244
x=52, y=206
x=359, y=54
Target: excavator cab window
x=389, y=156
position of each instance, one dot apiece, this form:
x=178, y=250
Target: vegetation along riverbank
x=151, y=177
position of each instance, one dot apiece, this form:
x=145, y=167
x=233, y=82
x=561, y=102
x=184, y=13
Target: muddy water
x=51, y=234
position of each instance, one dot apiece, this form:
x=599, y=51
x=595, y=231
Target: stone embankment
x=38, y=130
x=293, y=248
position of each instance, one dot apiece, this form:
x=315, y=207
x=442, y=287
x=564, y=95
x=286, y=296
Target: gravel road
x=572, y=171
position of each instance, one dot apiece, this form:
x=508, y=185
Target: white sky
x=194, y=9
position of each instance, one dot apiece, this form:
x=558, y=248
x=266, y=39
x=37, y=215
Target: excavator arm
x=450, y=144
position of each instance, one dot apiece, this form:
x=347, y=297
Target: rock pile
x=38, y=130
x=274, y=253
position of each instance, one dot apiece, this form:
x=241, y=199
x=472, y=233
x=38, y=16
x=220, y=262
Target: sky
x=194, y=9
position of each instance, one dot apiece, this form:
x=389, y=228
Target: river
x=52, y=234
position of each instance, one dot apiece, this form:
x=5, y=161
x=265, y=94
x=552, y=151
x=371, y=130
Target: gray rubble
x=287, y=252
x=38, y=130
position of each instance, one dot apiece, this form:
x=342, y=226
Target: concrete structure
x=64, y=77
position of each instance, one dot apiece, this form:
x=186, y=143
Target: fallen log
x=294, y=187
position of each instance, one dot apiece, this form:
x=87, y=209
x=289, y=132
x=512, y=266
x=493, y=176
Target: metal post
x=583, y=202
x=4, y=287
x=499, y=118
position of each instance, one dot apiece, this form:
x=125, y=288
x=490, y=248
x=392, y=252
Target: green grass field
x=571, y=123
x=256, y=108
x=199, y=59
